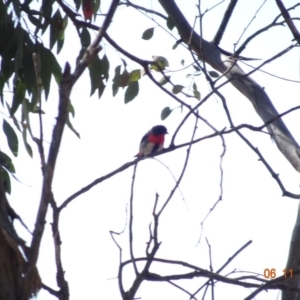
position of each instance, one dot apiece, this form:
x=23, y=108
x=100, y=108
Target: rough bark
x=12, y=260
x=10, y=284
x=293, y=262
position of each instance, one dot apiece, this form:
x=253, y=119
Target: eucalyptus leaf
x=165, y=112
x=148, y=34
x=11, y=137
x=131, y=92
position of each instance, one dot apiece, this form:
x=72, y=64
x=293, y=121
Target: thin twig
x=147, y=10
x=249, y=24
x=131, y=220
x=227, y=263
x=182, y=172
x=46, y=196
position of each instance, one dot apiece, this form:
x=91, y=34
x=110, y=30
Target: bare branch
x=67, y=82
x=60, y=273
x=182, y=172
x=50, y=290
x=144, y=9
x=273, y=75
x=172, y=148
x=258, y=32
x=227, y=263
x=227, y=15
x=65, y=90
x=250, y=23
x=288, y=20
x=247, y=86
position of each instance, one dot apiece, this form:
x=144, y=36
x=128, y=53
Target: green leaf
x=161, y=61
x=18, y=97
x=115, y=89
x=195, y=87
x=80, y=55
x=46, y=72
x=50, y=63
x=19, y=52
x=77, y=4
x=124, y=79
x=213, y=74
x=165, y=112
x=29, y=73
x=170, y=22
x=95, y=74
x=177, y=88
x=116, y=79
x=148, y=33
x=5, y=181
x=105, y=66
x=56, y=26
x=8, y=39
x=164, y=80
x=17, y=8
x=60, y=44
x=68, y=122
x=7, y=68
x=61, y=38
x=47, y=8
x=121, y=80
x=118, y=70
x=182, y=62
x=96, y=8
x=12, y=138
x=197, y=94
x=2, y=82
x=196, y=68
x=26, y=108
x=132, y=91
x=175, y=46
x=95, y=68
x=71, y=109
x=16, y=123
x=85, y=37
x=134, y=75
x=27, y=146
x=35, y=21
x=5, y=161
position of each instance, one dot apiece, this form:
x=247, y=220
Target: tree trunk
x=10, y=275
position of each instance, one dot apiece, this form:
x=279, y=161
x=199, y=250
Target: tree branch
x=144, y=9
x=227, y=15
x=65, y=90
x=67, y=82
x=247, y=86
x=288, y=20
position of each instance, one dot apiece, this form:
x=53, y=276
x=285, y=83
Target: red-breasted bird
x=153, y=141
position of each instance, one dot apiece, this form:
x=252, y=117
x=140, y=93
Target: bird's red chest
x=157, y=139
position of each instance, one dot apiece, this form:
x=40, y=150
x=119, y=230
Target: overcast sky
x=252, y=207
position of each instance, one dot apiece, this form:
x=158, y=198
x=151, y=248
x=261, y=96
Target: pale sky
x=252, y=207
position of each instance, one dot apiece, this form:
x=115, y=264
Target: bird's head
x=159, y=130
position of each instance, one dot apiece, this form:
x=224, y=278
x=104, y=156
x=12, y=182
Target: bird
x=152, y=141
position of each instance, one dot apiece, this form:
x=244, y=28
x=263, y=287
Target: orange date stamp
x=271, y=273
